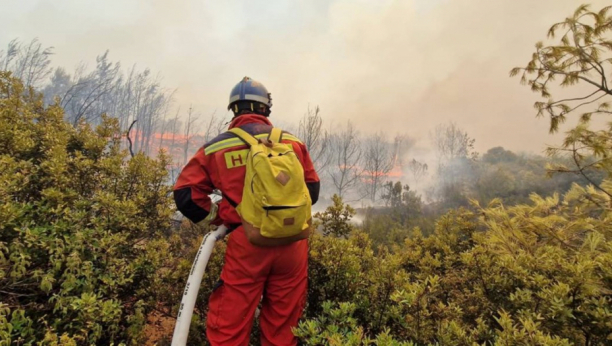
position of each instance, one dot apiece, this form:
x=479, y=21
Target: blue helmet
x=250, y=95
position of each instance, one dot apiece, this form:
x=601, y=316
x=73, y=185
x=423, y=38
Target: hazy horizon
x=393, y=66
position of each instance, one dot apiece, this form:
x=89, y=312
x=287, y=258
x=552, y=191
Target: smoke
x=395, y=66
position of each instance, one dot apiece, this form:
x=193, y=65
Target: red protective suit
x=280, y=273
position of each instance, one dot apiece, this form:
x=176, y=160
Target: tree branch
x=581, y=171
x=575, y=99
x=128, y=137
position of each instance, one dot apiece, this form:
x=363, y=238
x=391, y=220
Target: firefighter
x=276, y=268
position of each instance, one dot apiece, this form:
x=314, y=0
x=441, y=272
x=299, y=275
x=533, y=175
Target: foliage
x=28, y=63
x=335, y=220
x=86, y=251
x=513, y=178
x=171, y=280
x=136, y=98
x=80, y=241
x=527, y=274
x=404, y=210
x=580, y=59
x=337, y=327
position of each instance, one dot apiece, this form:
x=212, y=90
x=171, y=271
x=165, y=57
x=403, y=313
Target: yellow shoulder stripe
x=228, y=143
x=236, y=142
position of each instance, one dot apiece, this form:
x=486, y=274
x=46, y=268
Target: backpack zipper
x=278, y=207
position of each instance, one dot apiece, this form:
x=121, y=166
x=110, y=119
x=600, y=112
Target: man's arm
x=310, y=175
x=192, y=189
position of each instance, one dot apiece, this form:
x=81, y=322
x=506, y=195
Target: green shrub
x=537, y=274
x=81, y=234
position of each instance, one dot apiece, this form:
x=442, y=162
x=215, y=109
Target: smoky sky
x=400, y=66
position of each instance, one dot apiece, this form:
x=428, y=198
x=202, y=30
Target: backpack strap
x=276, y=135
x=245, y=136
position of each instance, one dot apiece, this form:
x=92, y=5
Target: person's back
x=275, y=267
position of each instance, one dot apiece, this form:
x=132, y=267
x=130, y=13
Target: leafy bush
x=537, y=274
x=80, y=237
x=334, y=221
x=170, y=281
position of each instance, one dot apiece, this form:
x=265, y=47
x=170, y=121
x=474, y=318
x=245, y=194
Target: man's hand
x=212, y=216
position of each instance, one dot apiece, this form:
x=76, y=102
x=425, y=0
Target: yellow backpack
x=275, y=199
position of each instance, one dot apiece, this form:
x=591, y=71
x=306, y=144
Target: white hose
x=183, y=320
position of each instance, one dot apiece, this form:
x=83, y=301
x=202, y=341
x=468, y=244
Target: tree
x=60, y=83
x=84, y=99
x=346, y=158
x=172, y=149
x=214, y=126
x=582, y=59
x=316, y=139
x=499, y=155
x=87, y=95
x=403, y=203
x=401, y=144
x=455, y=152
x=392, y=194
x=164, y=125
x=418, y=170
x=451, y=142
x=28, y=63
x=378, y=160
x=188, y=133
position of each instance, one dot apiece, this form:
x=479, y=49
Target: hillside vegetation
x=88, y=253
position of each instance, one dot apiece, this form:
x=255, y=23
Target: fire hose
x=190, y=294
